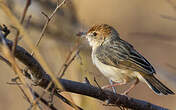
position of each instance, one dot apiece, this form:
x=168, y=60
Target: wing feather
x=120, y=54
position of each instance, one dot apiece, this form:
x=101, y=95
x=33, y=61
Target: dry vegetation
x=47, y=30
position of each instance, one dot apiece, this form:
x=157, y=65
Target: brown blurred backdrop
x=147, y=24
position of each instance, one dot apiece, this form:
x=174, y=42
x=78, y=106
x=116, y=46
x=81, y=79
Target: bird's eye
x=94, y=34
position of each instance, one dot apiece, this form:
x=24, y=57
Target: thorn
x=14, y=79
x=43, y=13
x=86, y=81
x=13, y=83
x=51, y=96
x=97, y=83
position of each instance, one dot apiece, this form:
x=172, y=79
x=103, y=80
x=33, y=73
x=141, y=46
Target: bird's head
x=99, y=34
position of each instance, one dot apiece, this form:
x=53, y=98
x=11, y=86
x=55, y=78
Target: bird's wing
x=121, y=54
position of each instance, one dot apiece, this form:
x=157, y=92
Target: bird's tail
x=158, y=87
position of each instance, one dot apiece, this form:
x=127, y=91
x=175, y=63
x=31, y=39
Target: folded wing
x=121, y=54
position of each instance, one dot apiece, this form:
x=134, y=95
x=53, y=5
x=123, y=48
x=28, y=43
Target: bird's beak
x=81, y=34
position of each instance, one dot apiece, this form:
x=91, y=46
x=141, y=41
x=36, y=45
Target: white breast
x=113, y=73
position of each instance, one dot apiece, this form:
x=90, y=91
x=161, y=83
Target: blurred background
x=149, y=25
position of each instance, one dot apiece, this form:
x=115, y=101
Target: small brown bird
x=119, y=61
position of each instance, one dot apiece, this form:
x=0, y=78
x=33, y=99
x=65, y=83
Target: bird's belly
x=115, y=74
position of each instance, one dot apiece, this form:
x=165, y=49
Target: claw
x=131, y=87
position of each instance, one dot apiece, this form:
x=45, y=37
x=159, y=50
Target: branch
x=44, y=79
x=6, y=51
x=28, y=3
x=3, y=40
x=47, y=22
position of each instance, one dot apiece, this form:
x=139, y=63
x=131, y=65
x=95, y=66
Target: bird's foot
x=131, y=87
x=112, y=85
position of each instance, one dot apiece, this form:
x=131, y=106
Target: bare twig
x=68, y=102
x=97, y=83
x=29, y=43
x=15, y=40
x=47, y=22
x=44, y=29
x=5, y=60
x=52, y=107
x=45, y=90
x=86, y=81
x=172, y=4
x=171, y=66
x=11, y=59
x=28, y=21
x=69, y=60
x=12, y=83
x=21, y=89
x=168, y=17
x=66, y=65
x=28, y=3
x=25, y=95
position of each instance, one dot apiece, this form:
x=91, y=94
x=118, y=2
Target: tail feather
x=157, y=86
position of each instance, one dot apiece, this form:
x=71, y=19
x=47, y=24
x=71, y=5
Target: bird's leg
x=113, y=85
x=131, y=87
x=113, y=88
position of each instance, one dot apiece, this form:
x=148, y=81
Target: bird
x=119, y=61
